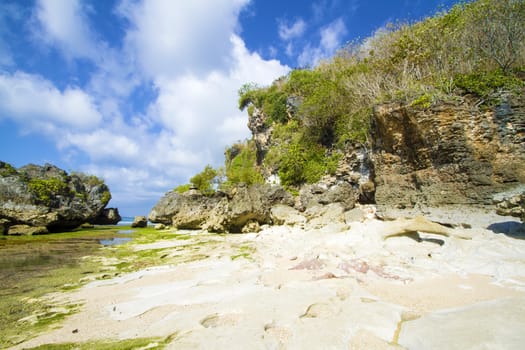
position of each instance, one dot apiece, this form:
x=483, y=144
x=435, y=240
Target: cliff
x=450, y=154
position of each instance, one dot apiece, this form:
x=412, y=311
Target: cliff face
x=449, y=154
x=38, y=199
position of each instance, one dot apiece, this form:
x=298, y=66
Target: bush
x=485, y=83
x=204, y=181
x=7, y=169
x=272, y=101
x=241, y=162
x=305, y=163
x=45, y=190
x=183, y=188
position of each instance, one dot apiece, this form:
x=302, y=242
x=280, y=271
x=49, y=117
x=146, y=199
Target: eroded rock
x=47, y=196
x=139, y=221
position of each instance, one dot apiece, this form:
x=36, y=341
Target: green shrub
x=241, y=164
x=182, y=188
x=305, y=163
x=204, y=181
x=424, y=101
x=485, y=83
x=106, y=197
x=7, y=169
x=45, y=190
x=272, y=101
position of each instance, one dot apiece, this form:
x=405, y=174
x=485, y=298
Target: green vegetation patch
x=45, y=190
x=484, y=84
x=126, y=344
x=241, y=164
x=7, y=169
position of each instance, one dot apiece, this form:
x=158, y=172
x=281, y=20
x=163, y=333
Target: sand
x=319, y=289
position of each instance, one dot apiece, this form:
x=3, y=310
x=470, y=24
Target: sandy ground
x=316, y=289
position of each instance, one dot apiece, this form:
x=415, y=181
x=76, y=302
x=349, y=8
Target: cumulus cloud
x=180, y=37
x=63, y=23
x=202, y=112
x=295, y=30
x=103, y=144
x=30, y=99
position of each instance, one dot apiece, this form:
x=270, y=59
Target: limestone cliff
x=448, y=154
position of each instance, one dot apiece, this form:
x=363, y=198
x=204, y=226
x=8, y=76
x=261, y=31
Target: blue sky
x=144, y=93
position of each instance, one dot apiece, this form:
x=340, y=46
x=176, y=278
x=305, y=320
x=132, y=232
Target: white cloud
x=64, y=24
x=180, y=37
x=331, y=37
x=202, y=112
x=103, y=144
x=30, y=99
x=295, y=30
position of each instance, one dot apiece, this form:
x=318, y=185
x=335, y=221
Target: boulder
x=251, y=226
x=513, y=205
x=285, y=215
x=139, y=221
x=47, y=196
x=222, y=211
x=317, y=194
x=108, y=216
x=331, y=215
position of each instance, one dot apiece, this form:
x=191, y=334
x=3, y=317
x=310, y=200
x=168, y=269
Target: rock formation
x=451, y=154
x=447, y=155
x=140, y=222
x=39, y=199
x=222, y=211
x=513, y=205
x=108, y=216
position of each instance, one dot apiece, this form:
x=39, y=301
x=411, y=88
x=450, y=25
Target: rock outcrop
x=108, y=216
x=513, y=205
x=39, y=199
x=222, y=211
x=139, y=222
x=447, y=155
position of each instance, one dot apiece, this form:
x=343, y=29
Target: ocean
x=126, y=221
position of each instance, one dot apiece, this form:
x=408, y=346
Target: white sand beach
x=317, y=289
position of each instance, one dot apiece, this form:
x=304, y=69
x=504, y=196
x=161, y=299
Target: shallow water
x=115, y=241
x=33, y=266
x=27, y=258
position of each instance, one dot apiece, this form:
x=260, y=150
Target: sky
x=143, y=93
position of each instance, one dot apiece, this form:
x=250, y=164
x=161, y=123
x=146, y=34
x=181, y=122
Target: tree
x=497, y=30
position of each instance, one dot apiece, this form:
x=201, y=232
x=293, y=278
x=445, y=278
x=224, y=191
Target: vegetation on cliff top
x=475, y=48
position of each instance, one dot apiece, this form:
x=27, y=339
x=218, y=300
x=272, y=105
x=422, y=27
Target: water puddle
x=114, y=241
